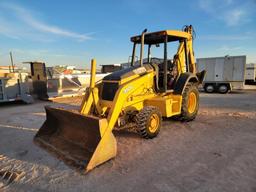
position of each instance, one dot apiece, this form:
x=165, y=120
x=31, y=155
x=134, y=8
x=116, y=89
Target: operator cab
x=172, y=72
x=166, y=66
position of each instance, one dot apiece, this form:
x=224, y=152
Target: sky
x=73, y=32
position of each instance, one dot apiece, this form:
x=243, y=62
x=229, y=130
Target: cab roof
x=159, y=37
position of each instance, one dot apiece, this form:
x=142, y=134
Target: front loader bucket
x=80, y=141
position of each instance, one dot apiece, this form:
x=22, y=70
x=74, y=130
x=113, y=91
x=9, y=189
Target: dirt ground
x=216, y=152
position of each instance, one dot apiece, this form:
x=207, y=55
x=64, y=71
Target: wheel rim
x=223, y=88
x=210, y=88
x=192, y=102
x=153, y=123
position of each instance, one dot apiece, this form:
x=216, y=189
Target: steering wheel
x=156, y=60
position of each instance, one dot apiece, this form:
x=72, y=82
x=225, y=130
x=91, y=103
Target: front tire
x=148, y=122
x=190, y=103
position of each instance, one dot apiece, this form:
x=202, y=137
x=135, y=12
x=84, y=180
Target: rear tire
x=223, y=88
x=190, y=103
x=209, y=88
x=148, y=122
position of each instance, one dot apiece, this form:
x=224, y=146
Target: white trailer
x=223, y=74
x=250, y=75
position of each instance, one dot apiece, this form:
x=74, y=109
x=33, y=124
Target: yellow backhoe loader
x=142, y=94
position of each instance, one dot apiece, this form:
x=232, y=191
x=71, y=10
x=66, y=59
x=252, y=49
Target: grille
x=109, y=90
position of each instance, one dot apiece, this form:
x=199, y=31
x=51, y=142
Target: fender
x=182, y=81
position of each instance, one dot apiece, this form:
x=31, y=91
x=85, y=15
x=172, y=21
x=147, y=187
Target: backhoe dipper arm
x=180, y=57
x=191, y=57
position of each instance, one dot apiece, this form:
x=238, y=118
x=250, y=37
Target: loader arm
x=126, y=97
x=120, y=101
x=91, y=97
x=106, y=148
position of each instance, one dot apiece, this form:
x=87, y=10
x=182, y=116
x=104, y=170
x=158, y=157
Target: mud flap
x=80, y=141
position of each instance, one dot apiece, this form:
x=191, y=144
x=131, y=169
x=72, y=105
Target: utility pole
x=12, y=61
